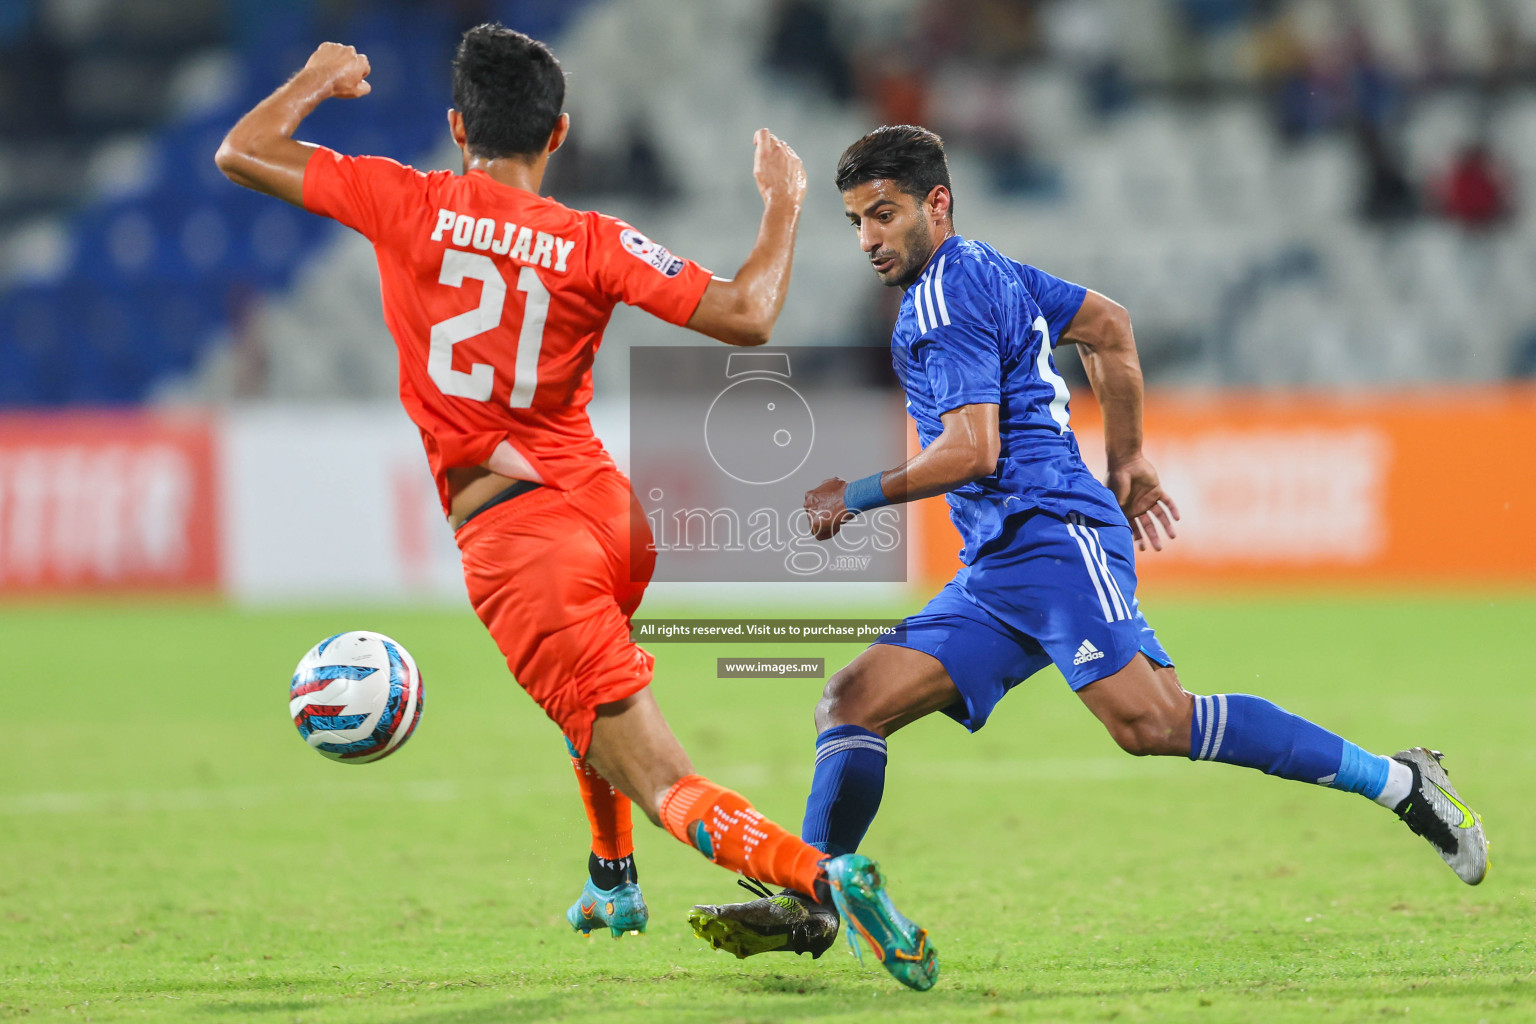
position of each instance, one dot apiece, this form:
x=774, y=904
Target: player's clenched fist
x=777, y=168
x=343, y=68
x=824, y=505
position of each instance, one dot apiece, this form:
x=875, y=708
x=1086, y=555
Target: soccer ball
x=356, y=697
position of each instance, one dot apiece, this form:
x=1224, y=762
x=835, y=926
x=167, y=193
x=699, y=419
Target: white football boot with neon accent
x=1433, y=810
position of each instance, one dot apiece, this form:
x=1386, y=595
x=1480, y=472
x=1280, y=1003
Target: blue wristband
x=864, y=494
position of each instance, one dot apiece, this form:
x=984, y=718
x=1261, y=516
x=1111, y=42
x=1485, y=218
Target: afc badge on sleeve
x=657, y=256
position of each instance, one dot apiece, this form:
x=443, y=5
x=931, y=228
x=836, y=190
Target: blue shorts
x=1048, y=590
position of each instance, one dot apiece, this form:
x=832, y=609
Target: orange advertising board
x=93, y=501
x=1432, y=487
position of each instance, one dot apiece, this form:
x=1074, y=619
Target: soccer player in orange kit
x=497, y=298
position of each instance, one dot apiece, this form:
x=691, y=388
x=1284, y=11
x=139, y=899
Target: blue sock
x=845, y=789
x=1235, y=728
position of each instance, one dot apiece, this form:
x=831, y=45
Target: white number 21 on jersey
x=478, y=382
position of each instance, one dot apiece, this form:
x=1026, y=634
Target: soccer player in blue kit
x=1049, y=575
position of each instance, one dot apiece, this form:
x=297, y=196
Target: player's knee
x=1132, y=739
x=1144, y=735
x=839, y=702
x=829, y=708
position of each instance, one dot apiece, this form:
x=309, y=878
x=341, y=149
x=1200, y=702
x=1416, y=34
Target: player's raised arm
x=1101, y=330
x=260, y=152
x=967, y=449
x=742, y=311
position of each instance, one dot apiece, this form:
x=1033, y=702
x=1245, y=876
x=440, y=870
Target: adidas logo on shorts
x=1086, y=653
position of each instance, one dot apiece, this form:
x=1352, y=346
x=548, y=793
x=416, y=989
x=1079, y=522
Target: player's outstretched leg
x=1241, y=729
x=634, y=749
x=1148, y=712
x=794, y=923
x=611, y=897
x=846, y=786
x=881, y=690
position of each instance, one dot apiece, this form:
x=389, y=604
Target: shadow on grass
x=738, y=996
x=720, y=1001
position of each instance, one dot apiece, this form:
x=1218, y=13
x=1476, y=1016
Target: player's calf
x=633, y=748
x=611, y=896
x=884, y=688
x=1146, y=710
x=1241, y=729
x=727, y=829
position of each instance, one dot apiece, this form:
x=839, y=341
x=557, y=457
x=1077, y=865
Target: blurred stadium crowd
x=1310, y=193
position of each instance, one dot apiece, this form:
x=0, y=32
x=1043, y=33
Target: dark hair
x=509, y=89
x=910, y=156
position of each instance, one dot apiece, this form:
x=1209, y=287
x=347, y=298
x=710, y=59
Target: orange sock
x=608, y=812
x=724, y=827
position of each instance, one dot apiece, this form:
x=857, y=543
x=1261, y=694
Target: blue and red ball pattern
x=344, y=709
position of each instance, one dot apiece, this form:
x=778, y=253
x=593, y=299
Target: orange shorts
x=550, y=575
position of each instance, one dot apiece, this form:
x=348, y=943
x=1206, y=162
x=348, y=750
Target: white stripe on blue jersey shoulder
x=938, y=291
x=925, y=295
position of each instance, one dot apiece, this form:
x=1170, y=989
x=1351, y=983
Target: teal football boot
x=901, y=946
x=620, y=909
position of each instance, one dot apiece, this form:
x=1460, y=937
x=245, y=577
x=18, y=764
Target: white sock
x=1399, y=783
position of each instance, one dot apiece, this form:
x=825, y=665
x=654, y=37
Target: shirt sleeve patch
x=647, y=251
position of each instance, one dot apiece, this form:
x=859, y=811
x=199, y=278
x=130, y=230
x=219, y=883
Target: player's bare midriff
x=469, y=487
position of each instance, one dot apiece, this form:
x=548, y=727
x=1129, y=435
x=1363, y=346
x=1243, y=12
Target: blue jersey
x=978, y=327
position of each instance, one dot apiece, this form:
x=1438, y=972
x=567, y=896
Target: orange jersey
x=497, y=299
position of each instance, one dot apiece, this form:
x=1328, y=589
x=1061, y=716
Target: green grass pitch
x=169, y=851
